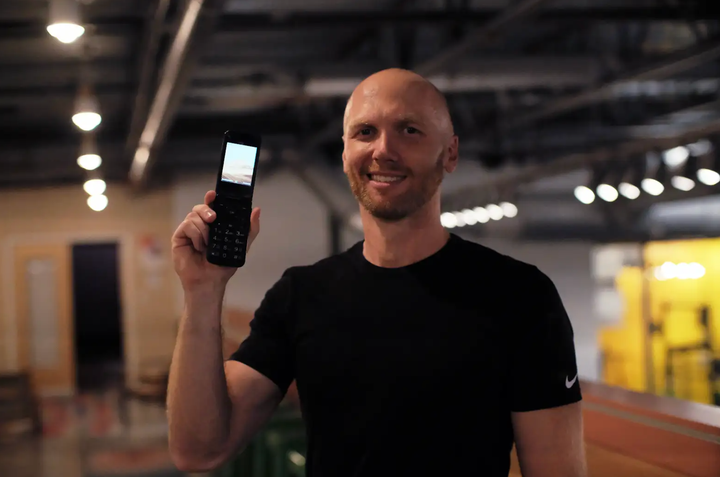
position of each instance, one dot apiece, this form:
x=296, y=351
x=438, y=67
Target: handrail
x=667, y=433
x=664, y=407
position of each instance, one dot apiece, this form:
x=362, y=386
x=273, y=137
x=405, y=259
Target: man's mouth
x=385, y=179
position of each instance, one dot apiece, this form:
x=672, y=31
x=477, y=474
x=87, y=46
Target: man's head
x=399, y=143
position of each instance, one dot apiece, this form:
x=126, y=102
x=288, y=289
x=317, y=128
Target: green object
x=279, y=450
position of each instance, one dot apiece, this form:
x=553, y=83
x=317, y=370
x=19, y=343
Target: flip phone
x=229, y=232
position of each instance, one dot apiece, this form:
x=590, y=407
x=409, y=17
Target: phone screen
x=239, y=164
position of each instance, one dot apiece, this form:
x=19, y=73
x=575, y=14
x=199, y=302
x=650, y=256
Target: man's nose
x=384, y=148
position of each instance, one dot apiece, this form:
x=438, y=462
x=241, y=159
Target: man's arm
x=545, y=395
x=213, y=409
x=550, y=443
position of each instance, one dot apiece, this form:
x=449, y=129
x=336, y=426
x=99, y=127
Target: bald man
x=415, y=352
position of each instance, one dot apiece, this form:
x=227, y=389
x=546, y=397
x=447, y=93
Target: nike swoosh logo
x=569, y=384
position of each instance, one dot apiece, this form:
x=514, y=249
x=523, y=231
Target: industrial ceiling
x=538, y=89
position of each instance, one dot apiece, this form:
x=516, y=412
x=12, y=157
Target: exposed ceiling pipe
x=562, y=13
x=147, y=66
x=484, y=34
x=677, y=63
x=199, y=16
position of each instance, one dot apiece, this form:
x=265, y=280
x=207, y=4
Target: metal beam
x=677, y=63
x=147, y=69
x=316, y=187
x=485, y=34
x=351, y=45
x=371, y=20
x=18, y=95
x=552, y=70
x=64, y=74
x=472, y=76
x=56, y=161
x=122, y=23
x=196, y=25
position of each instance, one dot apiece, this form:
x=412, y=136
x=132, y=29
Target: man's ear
x=452, y=155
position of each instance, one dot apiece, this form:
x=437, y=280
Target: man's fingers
x=209, y=197
x=254, y=226
x=191, y=231
x=204, y=212
x=201, y=226
x=254, y=223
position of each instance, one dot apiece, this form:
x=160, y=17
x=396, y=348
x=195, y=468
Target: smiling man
x=416, y=353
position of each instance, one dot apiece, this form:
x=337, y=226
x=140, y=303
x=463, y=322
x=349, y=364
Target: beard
x=392, y=209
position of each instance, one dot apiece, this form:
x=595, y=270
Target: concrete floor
x=128, y=437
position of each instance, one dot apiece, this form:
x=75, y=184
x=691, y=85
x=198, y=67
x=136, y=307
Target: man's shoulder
x=326, y=268
x=482, y=257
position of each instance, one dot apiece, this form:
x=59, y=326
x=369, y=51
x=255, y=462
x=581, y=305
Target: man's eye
x=365, y=131
x=411, y=130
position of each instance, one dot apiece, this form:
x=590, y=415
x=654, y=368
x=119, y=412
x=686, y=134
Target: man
x=415, y=352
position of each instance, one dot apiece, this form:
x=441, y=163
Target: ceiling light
x=700, y=148
x=607, y=192
x=448, y=220
x=459, y=220
x=87, y=111
x=481, y=215
x=695, y=271
x=87, y=121
x=584, y=194
x=632, y=177
x=64, y=21
x=708, y=177
x=509, y=209
x=89, y=159
x=95, y=186
x=469, y=217
x=494, y=211
x=89, y=162
x=97, y=202
x=683, y=180
x=629, y=191
x=652, y=186
x=684, y=184
x=676, y=156
x=66, y=32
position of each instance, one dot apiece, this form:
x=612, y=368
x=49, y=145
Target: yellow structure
x=680, y=279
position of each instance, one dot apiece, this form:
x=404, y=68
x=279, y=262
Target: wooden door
x=43, y=291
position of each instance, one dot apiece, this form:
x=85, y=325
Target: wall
x=61, y=216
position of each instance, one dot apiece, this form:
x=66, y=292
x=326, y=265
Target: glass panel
x=43, y=310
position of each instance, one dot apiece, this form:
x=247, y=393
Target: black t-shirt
x=414, y=371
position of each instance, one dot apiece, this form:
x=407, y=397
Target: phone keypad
x=229, y=233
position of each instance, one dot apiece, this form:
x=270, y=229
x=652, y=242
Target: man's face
x=397, y=148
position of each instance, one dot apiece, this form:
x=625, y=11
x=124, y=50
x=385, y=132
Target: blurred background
x=589, y=146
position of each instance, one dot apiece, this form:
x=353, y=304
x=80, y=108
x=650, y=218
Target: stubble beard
x=396, y=208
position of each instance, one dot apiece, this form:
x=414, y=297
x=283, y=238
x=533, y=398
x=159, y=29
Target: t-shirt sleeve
x=268, y=347
x=543, y=361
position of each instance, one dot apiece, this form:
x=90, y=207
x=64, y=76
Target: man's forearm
x=199, y=406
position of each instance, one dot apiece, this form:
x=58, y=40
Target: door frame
x=126, y=273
